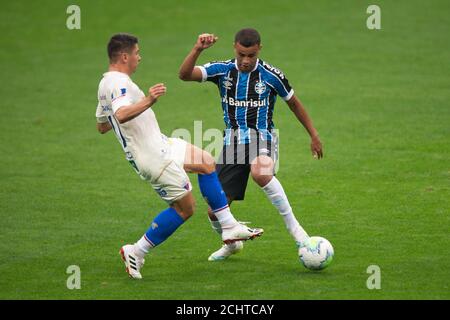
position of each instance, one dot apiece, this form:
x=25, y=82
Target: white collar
x=121, y=74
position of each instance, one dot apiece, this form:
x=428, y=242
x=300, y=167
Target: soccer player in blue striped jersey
x=248, y=87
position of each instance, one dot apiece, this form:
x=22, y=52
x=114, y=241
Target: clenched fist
x=205, y=41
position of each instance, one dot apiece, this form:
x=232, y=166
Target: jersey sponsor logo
x=244, y=103
x=260, y=87
x=274, y=70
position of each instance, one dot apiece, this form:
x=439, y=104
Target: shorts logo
x=154, y=226
x=260, y=87
x=162, y=192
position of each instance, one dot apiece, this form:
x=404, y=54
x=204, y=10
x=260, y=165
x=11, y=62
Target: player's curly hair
x=120, y=42
x=247, y=37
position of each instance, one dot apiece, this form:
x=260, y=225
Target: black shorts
x=233, y=166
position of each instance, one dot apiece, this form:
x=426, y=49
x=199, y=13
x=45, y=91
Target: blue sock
x=163, y=226
x=212, y=191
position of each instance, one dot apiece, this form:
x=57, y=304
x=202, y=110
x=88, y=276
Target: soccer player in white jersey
x=163, y=162
x=248, y=87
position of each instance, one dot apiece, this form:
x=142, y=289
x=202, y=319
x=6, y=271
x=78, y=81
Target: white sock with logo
x=225, y=218
x=275, y=193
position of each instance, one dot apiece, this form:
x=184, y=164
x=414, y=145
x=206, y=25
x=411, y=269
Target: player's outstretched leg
x=202, y=162
x=160, y=229
x=275, y=192
x=232, y=230
x=261, y=172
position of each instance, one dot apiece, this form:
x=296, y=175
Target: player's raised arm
x=297, y=108
x=188, y=71
x=127, y=112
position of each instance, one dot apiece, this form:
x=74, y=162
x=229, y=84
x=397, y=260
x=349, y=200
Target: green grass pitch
x=379, y=99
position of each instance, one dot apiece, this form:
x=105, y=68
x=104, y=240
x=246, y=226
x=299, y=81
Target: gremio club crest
x=260, y=87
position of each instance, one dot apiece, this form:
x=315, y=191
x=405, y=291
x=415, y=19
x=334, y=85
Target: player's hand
x=205, y=41
x=316, y=147
x=156, y=91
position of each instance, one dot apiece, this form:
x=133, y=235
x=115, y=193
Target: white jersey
x=140, y=138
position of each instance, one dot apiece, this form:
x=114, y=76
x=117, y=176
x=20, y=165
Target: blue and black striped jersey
x=248, y=98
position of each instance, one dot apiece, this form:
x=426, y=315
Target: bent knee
x=185, y=208
x=261, y=177
x=189, y=209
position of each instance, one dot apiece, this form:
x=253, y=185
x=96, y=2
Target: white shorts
x=173, y=182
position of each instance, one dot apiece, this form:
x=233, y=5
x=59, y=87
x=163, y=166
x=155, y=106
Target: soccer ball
x=316, y=253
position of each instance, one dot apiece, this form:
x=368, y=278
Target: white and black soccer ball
x=316, y=253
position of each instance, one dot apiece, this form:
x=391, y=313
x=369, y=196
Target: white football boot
x=240, y=232
x=133, y=263
x=226, y=250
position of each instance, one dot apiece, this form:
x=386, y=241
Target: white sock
x=225, y=218
x=294, y=228
x=142, y=247
x=277, y=196
x=215, y=225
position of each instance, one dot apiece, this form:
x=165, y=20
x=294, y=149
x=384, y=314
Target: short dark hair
x=247, y=37
x=119, y=43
